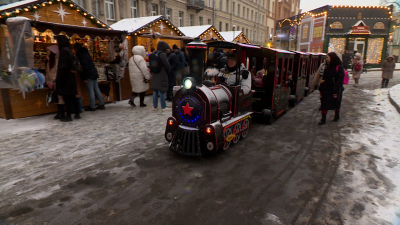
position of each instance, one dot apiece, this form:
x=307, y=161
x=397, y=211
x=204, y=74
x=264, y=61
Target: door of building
x=359, y=45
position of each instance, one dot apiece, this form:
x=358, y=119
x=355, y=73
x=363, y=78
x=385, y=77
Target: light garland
x=71, y=4
x=209, y=30
x=374, y=52
x=337, y=45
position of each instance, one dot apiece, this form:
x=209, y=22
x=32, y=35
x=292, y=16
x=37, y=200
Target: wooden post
x=5, y=95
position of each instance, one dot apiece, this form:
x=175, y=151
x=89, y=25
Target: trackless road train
x=207, y=118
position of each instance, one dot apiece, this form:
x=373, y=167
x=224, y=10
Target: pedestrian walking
x=331, y=87
x=89, y=75
x=346, y=58
x=159, y=83
x=173, y=61
x=186, y=68
x=388, y=67
x=51, y=74
x=357, y=66
x=139, y=75
x=181, y=65
x=65, y=79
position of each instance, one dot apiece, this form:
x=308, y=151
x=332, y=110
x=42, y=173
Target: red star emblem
x=187, y=109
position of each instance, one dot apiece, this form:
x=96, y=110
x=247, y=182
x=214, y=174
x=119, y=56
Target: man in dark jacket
x=65, y=78
x=181, y=64
x=173, y=61
x=186, y=68
x=159, y=81
x=346, y=58
x=89, y=75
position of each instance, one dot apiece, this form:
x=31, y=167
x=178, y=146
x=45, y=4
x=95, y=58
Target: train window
x=278, y=71
x=284, y=71
x=290, y=72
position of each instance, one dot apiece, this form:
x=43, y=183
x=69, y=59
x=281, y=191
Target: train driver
x=228, y=73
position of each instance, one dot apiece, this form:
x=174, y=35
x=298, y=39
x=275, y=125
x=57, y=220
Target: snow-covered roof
x=194, y=31
x=134, y=24
x=230, y=35
x=16, y=4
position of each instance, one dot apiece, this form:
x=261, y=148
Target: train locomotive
x=208, y=118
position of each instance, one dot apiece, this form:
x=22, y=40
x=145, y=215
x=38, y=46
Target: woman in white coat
x=139, y=75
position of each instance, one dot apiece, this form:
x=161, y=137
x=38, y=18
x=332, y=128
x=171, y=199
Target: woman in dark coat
x=159, y=81
x=331, y=87
x=65, y=79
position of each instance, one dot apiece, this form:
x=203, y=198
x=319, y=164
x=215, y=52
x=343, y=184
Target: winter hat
x=232, y=56
x=175, y=47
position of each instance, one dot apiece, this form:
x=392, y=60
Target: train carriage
x=313, y=67
x=300, y=68
x=271, y=99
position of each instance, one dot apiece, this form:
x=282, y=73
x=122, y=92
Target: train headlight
x=189, y=83
x=208, y=130
x=170, y=122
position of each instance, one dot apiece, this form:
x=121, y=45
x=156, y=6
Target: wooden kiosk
x=52, y=18
x=235, y=36
x=148, y=31
x=204, y=32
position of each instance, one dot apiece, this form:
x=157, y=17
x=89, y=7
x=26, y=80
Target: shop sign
x=360, y=30
x=336, y=25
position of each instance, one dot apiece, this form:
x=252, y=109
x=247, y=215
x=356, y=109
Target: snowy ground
x=114, y=167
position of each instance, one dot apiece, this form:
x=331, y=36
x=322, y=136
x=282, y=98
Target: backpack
x=357, y=67
x=346, y=75
x=155, y=62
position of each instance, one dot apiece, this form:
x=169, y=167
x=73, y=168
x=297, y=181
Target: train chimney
x=197, y=52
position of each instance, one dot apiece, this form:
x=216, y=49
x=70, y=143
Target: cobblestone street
x=114, y=167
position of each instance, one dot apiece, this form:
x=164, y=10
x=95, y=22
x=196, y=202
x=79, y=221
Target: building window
x=272, y=31
x=81, y=3
x=191, y=18
x=263, y=3
x=244, y=11
x=233, y=8
x=227, y=6
x=209, y=3
x=305, y=31
x=247, y=32
x=317, y=32
x=209, y=22
x=238, y=9
x=220, y=26
x=154, y=10
x=134, y=12
x=200, y=20
x=110, y=9
x=243, y=30
x=267, y=32
x=180, y=18
x=251, y=15
x=359, y=16
x=269, y=5
x=255, y=17
x=262, y=20
x=238, y=28
x=220, y=5
x=254, y=36
x=227, y=27
x=169, y=13
x=262, y=37
x=273, y=7
x=248, y=14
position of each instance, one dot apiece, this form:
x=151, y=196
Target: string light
x=374, y=52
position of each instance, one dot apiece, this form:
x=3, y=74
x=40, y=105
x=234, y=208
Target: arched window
x=359, y=16
x=305, y=31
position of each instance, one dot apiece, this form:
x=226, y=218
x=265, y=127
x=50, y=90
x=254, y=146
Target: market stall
x=148, y=31
x=204, y=32
x=235, y=36
x=18, y=99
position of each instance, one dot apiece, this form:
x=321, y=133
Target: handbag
x=51, y=97
x=144, y=78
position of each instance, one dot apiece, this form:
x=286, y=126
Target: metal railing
x=196, y=3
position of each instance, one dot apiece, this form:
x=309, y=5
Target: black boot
x=60, y=112
x=337, y=117
x=323, y=120
x=142, y=100
x=130, y=102
x=67, y=118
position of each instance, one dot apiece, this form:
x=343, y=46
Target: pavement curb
x=394, y=96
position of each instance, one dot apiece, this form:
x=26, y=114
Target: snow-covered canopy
x=194, y=31
x=230, y=35
x=134, y=24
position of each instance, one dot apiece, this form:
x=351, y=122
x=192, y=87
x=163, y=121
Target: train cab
x=271, y=99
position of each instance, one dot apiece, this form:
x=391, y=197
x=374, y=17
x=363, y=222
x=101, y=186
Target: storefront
x=17, y=98
x=235, y=36
x=362, y=29
x=148, y=31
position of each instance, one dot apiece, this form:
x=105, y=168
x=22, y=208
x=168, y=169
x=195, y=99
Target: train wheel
x=246, y=126
x=236, y=131
x=268, y=116
x=227, y=133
